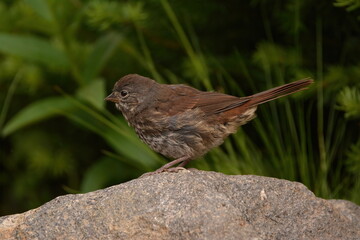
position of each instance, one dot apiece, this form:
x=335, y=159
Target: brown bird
x=182, y=122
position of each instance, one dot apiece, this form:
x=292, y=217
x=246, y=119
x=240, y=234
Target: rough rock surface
x=190, y=205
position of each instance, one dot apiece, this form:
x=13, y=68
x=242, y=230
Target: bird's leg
x=184, y=162
x=170, y=164
x=168, y=167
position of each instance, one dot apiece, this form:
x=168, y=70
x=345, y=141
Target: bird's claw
x=170, y=170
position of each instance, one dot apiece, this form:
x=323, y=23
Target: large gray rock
x=190, y=205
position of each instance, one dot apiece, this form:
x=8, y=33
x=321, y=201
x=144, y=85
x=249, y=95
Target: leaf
x=105, y=172
x=100, y=54
x=353, y=158
x=33, y=49
x=125, y=142
x=349, y=102
x=41, y=7
x=94, y=93
x=36, y=112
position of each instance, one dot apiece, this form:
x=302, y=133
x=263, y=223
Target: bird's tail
x=280, y=91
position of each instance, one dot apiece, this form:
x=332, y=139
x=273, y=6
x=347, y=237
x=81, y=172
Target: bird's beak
x=112, y=98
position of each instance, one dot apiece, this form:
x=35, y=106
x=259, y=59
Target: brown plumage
x=182, y=122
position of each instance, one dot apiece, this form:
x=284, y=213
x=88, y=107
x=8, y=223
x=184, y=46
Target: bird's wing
x=214, y=103
x=184, y=98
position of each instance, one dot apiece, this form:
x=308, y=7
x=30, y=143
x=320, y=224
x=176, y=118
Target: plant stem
x=320, y=110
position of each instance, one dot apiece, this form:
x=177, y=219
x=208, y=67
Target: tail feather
x=280, y=91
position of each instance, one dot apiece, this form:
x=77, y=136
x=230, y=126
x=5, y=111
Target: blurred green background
x=59, y=59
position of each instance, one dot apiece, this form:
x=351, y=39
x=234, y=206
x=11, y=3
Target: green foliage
x=350, y=5
x=349, y=101
x=59, y=59
x=354, y=158
x=105, y=14
x=353, y=165
x=38, y=111
x=95, y=178
x=99, y=55
x=33, y=49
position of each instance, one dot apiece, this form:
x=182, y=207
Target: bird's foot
x=168, y=167
x=174, y=169
x=169, y=170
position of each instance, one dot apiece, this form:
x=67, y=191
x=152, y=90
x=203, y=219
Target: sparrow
x=183, y=123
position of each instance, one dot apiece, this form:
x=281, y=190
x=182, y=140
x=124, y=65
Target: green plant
x=60, y=58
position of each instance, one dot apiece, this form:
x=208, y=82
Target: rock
x=190, y=205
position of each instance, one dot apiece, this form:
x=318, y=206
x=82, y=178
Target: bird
x=184, y=123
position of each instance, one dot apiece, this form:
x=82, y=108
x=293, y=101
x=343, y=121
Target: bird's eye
x=124, y=93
